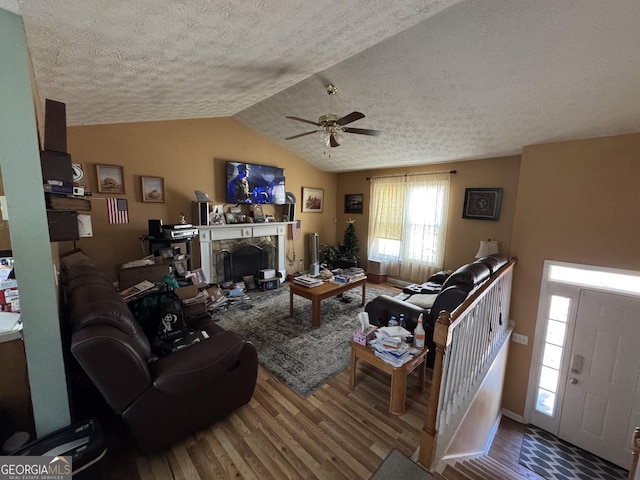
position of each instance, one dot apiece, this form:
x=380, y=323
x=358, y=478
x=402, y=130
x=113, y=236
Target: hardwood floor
x=338, y=432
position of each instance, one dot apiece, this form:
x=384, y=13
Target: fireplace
x=227, y=252
x=242, y=261
x=234, y=259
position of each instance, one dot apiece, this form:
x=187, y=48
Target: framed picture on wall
x=353, y=203
x=482, y=203
x=152, y=189
x=110, y=178
x=312, y=200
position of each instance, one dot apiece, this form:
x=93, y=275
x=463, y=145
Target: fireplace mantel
x=212, y=233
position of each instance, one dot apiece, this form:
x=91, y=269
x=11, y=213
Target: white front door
x=601, y=404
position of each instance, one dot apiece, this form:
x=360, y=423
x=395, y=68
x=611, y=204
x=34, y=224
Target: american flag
x=118, y=209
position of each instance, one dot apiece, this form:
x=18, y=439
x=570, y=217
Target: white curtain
x=408, y=224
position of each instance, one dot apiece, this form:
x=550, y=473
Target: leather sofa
x=454, y=289
x=160, y=399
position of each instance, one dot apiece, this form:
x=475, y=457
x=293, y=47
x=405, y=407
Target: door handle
x=573, y=381
x=576, y=363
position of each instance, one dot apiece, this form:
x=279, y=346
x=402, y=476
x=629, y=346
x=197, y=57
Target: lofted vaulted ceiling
x=442, y=79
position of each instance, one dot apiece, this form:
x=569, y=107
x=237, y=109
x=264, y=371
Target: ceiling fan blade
x=352, y=117
x=305, y=121
x=333, y=142
x=362, y=131
x=302, y=135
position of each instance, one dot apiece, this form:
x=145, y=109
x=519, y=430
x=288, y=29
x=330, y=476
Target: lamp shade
x=487, y=247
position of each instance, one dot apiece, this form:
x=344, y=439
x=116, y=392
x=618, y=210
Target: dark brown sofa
x=454, y=290
x=160, y=399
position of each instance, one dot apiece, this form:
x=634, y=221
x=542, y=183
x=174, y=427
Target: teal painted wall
x=22, y=178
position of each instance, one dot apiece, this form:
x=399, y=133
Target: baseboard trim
x=513, y=416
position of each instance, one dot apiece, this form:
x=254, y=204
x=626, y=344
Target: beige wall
x=463, y=235
x=190, y=155
x=577, y=202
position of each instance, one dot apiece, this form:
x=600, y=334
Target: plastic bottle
x=418, y=334
x=401, y=321
x=393, y=322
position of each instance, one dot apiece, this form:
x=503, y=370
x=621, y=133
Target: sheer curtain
x=408, y=223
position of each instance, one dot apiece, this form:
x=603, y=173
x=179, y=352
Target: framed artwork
x=110, y=178
x=312, y=200
x=353, y=203
x=152, y=189
x=482, y=203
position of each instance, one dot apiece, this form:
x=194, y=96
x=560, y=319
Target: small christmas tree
x=349, y=246
x=337, y=255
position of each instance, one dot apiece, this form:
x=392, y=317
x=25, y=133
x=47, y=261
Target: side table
x=398, y=374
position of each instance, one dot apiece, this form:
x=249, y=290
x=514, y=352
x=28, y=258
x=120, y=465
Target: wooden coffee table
x=398, y=374
x=321, y=292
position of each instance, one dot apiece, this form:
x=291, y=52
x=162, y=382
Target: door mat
x=553, y=459
x=397, y=466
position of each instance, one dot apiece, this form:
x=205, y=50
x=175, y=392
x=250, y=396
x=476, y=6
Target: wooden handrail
x=441, y=338
x=636, y=454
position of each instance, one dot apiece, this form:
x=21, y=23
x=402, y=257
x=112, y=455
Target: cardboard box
x=128, y=277
x=192, y=305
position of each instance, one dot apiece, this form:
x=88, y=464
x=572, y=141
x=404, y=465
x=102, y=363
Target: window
x=408, y=222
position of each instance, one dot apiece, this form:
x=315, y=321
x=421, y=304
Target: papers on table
x=396, y=357
x=396, y=331
x=307, y=281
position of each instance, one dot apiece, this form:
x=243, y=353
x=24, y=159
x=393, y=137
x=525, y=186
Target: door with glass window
x=588, y=382
x=601, y=404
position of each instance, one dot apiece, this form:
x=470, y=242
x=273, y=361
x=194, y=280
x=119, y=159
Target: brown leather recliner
x=159, y=399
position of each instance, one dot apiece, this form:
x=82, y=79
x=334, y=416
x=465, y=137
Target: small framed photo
x=231, y=217
x=249, y=282
x=110, y=178
x=216, y=215
x=198, y=277
x=353, y=203
x=482, y=203
x=166, y=253
x=181, y=267
x=312, y=200
x=152, y=189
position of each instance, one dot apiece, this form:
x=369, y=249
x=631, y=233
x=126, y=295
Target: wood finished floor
x=339, y=432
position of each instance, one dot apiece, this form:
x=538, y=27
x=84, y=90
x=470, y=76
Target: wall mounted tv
x=250, y=183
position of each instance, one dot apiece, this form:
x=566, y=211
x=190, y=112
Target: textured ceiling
x=443, y=80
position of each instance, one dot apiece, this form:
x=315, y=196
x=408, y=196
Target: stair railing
x=467, y=341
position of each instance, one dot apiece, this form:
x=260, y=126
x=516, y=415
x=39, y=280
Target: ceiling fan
x=333, y=126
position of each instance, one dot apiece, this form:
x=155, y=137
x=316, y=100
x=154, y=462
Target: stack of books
x=307, y=281
x=341, y=276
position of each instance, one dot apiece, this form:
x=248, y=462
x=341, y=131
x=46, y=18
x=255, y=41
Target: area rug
x=397, y=466
x=553, y=459
x=301, y=357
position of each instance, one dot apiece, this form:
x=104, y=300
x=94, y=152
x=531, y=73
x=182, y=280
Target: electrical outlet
x=521, y=339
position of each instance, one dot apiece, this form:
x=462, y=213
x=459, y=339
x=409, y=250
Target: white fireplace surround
x=212, y=233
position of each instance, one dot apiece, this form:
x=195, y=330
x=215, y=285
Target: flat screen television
x=250, y=183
